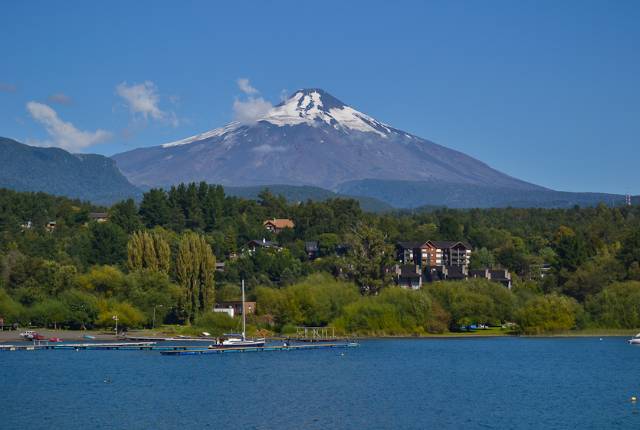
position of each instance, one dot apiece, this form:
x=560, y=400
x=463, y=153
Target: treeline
x=159, y=257
x=321, y=300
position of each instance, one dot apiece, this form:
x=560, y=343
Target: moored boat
x=635, y=340
x=236, y=340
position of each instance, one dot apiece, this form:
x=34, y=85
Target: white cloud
x=250, y=110
x=266, y=148
x=245, y=87
x=63, y=134
x=143, y=99
x=60, y=98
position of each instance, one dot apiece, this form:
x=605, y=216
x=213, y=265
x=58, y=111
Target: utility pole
x=115, y=317
x=153, y=324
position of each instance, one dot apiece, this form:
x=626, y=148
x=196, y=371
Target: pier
x=261, y=349
x=165, y=349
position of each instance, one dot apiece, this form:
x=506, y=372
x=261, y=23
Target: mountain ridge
x=55, y=171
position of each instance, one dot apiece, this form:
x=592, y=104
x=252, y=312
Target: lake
x=499, y=383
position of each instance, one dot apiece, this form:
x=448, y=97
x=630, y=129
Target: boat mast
x=244, y=322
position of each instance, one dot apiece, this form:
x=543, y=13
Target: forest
x=155, y=263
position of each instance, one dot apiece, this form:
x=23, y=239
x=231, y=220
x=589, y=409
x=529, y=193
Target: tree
x=630, y=251
x=617, y=306
x=154, y=208
x=125, y=215
x=544, y=314
x=107, y=244
x=150, y=251
x=195, y=266
x=369, y=259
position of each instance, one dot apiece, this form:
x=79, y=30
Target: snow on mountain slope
x=312, y=138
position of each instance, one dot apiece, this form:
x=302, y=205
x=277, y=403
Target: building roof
x=409, y=271
x=500, y=274
x=262, y=243
x=279, y=223
x=311, y=246
x=455, y=272
x=98, y=215
x=445, y=244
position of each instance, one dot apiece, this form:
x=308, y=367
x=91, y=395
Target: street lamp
x=153, y=324
x=115, y=317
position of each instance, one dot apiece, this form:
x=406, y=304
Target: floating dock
x=168, y=349
x=196, y=351
x=106, y=345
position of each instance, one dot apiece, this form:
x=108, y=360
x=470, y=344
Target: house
x=409, y=276
x=228, y=311
x=236, y=307
x=438, y=259
x=220, y=266
x=434, y=253
x=312, y=249
x=501, y=275
x=50, y=226
x=98, y=216
x=27, y=225
x=276, y=225
x=496, y=275
x=253, y=245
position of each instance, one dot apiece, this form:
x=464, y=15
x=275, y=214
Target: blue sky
x=546, y=91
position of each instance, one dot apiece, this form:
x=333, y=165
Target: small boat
x=28, y=335
x=88, y=336
x=234, y=340
x=55, y=339
x=39, y=337
x=635, y=340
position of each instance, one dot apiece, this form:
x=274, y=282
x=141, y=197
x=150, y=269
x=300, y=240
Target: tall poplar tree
x=195, y=266
x=148, y=251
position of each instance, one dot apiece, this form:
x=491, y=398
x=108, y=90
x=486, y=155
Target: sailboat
x=233, y=340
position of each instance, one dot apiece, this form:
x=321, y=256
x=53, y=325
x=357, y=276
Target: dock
x=167, y=349
x=274, y=348
x=143, y=346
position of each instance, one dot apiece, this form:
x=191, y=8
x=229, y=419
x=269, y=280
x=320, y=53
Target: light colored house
x=99, y=216
x=276, y=225
x=236, y=307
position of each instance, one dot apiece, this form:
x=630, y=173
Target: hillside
x=52, y=170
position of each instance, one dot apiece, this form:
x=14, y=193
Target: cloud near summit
x=253, y=108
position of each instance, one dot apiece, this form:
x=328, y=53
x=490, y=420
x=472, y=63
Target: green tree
x=148, y=250
x=544, y=314
x=195, y=266
x=369, y=259
x=125, y=215
x=107, y=244
x=154, y=208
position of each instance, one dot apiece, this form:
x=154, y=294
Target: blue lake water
x=503, y=383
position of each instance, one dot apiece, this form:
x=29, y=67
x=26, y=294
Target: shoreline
x=9, y=336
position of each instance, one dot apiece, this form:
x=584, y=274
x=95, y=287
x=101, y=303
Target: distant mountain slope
x=303, y=193
x=413, y=194
x=310, y=139
x=55, y=171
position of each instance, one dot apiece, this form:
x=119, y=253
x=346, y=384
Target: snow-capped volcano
x=312, y=107
x=312, y=138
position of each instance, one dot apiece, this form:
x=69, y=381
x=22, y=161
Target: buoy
x=634, y=398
